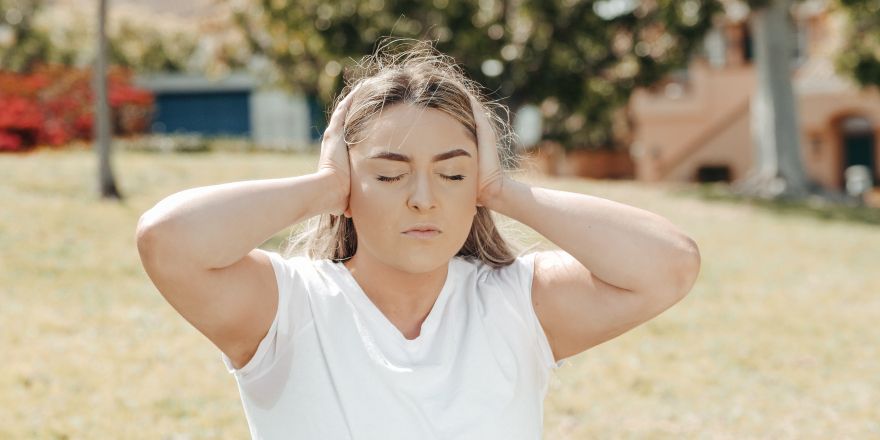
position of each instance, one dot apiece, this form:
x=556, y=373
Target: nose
x=422, y=196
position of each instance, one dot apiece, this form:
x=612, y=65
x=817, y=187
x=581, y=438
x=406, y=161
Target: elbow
x=147, y=236
x=144, y=231
x=688, y=268
x=145, y=240
x=153, y=224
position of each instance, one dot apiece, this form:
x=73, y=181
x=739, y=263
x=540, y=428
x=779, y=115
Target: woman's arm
x=215, y=226
x=619, y=267
x=625, y=246
x=198, y=246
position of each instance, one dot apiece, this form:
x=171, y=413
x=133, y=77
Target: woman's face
x=414, y=165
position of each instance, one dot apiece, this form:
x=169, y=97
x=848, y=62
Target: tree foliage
x=33, y=33
x=22, y=45
x=578, y=60
x=859, y=58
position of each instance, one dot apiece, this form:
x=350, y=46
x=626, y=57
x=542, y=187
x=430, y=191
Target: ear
x=347, y=212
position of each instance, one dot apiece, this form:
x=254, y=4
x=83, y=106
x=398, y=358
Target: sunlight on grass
x=778, y=338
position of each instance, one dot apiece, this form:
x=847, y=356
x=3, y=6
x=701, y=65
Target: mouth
x=415, y=233
x=422, y=231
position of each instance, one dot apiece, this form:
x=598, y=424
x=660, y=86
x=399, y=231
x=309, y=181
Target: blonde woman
x=401, y=312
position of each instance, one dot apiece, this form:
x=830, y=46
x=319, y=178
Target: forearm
x=215, y=226
x=622, y=245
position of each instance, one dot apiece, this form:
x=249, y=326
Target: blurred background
x=752, y=125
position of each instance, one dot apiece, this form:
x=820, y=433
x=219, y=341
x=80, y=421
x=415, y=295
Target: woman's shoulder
x=514, y=269
x=519, y=259
x=301, y=269
x=292, y=261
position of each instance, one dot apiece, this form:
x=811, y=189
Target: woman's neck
x=400, y=295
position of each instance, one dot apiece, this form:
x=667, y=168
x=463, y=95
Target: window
x=713, y=173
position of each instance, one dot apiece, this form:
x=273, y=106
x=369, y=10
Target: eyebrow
x=388, y=155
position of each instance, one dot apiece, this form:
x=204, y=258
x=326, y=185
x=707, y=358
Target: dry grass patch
x=778, y=339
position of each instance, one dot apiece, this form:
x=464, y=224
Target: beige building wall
x=823, y=135
x=730, y=148
x=704, y=118
x=669, y=131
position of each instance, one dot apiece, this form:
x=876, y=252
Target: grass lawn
x=778, y=339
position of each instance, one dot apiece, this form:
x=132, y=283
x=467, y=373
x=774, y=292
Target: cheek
x=465, y=193
x=371, y=205
x=370, y=194
x=473, y=189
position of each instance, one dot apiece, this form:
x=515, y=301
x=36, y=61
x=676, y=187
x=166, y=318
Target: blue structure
x=210, y=113
x=232, y=106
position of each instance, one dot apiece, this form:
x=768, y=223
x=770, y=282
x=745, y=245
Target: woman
x=406, y=315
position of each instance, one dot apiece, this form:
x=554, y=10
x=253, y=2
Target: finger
x=475, y=110
x=484, y=129
x=487, y=147
x=338, y=117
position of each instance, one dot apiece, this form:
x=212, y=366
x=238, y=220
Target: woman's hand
x=334, y=158
x=491, y=176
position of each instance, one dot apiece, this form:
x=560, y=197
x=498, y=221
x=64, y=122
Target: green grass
x=815, y=207
x=778, y=339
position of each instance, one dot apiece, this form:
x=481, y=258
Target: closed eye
x=389, y=179
x=395, y=179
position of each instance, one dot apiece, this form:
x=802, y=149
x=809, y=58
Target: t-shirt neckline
x=429, y=325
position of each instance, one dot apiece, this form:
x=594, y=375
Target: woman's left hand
x=491, y=176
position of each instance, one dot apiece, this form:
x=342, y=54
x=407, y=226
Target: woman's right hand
x=334, y=158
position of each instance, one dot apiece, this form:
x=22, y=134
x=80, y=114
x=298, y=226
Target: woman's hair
x=419, y=75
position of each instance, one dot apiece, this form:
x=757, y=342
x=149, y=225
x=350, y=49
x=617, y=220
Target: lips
x=423, y=228
x=425, y=232
x=422, y=234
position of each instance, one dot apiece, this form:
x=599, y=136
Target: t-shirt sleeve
x=287, y=317
x=517, y=277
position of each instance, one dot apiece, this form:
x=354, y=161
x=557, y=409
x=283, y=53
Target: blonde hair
x=416, y=74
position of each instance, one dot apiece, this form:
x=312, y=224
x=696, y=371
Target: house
x=697, y=125
x=230, y=106
x=205, y=99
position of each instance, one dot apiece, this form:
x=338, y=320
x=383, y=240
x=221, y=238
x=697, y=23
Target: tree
x=778, y=172
x=138, y=38
x=106, y=181
x=578, y=60
x=778, y=169
x=21, y=44
x=859, y=58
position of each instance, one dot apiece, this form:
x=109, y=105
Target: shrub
x=54, y=105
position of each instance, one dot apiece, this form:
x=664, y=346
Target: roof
x=182, y=82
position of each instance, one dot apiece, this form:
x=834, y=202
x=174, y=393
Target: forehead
x=414, y=131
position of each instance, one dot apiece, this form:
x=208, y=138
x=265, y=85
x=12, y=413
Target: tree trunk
x=778, y=170
x=102, y=133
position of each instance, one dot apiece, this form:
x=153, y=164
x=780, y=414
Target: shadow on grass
x=814, y=207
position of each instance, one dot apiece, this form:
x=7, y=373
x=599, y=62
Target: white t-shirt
x=332, y=366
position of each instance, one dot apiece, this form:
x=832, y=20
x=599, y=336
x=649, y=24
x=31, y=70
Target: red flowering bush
x=55, y=104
